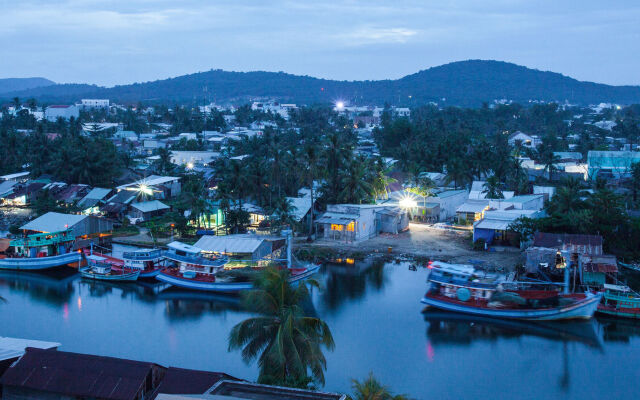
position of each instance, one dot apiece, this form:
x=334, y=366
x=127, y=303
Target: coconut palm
x=312, y=159
x=355, y=187
x=286, y=341
x=492, y=188
x=372, y=389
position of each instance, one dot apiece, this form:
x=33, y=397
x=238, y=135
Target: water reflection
x=619, y=330
x=451, y=328
x=346, y=282
x=55, y=287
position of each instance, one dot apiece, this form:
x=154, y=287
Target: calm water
x=374, y=313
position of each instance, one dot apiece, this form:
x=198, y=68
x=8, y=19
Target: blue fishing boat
x=99, y=269
x=460, y=288
x=148, y=261
x=41, y=251
x=192, y=269
x=630, y=267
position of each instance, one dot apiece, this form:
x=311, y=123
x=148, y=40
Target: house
x=611, y=164
x=81, y=226
x=118, y=204
x=568, y=156
x=529, y=141
x=16, y=177
x=236, y=389
x=23, y=195
x=154, y=186
x=547, y=191
x=355, y=222
x=494, y=226
x=193, y=158
x=90, y=204
x=438, y=178
x=471, y=211
x=596, y=270
x=69, y=194
x=241, y=247
x=94, y=103
x=302, y=207
x=147, y=210
x=53, y=374
x=188, y=136
x=52, y=113
x=126, y=135
x=6, y=188
x=11, y=349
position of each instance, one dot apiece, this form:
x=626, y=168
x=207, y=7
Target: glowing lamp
x=407, y=202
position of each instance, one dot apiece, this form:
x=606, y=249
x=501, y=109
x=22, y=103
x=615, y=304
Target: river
x=374, y=313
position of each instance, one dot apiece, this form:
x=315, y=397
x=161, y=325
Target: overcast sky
x=119, y=42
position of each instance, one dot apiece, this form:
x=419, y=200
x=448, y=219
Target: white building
x=94, y=103
x=193, y=158
x=355, y=222
x=529, y=141
x=52, y=113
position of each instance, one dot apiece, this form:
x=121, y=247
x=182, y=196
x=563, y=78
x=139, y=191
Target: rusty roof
x=601, y=263
x=78, y=374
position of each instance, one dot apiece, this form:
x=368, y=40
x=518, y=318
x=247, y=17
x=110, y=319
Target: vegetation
x=372, y=389
x=464, y=83
x=283, y=337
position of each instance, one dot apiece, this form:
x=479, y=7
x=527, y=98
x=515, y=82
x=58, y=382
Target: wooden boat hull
x=581, y=309
x=226, y=287
x=149, y=274
x=126, y=277
x=620, y=312
x=39, y=263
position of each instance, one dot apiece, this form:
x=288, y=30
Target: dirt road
x=437, y=244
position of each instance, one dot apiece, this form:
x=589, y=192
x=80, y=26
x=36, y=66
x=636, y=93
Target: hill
x=8, y=85
x=464, y=83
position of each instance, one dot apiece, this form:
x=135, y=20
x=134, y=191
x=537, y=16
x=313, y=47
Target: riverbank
x=420, y=242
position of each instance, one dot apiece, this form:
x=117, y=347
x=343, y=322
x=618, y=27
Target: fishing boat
x=41, y=251
x=630, y=267
x=195, y=270
x=460, y=288
x=620, y=301
x=148, y=261
x=99, y=269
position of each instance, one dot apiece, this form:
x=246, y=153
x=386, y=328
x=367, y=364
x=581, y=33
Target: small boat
x=619, y=301
x=630, y=267
x=460, y=288
x=99, y=269
x=41, y=251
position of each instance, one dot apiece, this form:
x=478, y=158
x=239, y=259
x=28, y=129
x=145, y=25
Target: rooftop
x=149, y=206
x=15, y=347
x=53, y=222
x=229, y=243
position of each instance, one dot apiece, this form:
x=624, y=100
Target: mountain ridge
x=460, y=83
x=8, y=85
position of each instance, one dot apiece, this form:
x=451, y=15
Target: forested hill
x=8, y=85
x=464, y=83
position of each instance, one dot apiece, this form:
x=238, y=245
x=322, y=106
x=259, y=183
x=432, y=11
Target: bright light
x=407, y=202
x=145, y=189
x=190, y=165
x=618, y=108
x=340, y=105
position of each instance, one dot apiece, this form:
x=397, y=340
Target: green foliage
x=283, y=337
x=372, y=389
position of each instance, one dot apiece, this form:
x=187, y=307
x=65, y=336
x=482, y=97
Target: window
x=336, y=227
x=351, y=226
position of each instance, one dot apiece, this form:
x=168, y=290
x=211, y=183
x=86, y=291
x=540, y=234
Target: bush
x=14, y=229
x=479, y=244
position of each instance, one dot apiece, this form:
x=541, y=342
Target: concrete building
x=94, y=103
x=52, y=113
x=355, y=222
x=611, y=164
x=529, y=141
x=193, y=158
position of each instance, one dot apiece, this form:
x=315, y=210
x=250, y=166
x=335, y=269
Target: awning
x=493, y=224
x=334, y=220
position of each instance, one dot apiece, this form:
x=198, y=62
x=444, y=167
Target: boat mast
x=288, y=234
x=567, y=270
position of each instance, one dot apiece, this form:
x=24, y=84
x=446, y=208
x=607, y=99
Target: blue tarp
x=486, y=234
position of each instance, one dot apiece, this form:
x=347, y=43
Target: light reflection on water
x=374, y=312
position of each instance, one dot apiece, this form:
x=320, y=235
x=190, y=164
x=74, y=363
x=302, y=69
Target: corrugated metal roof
x=53, y=222
x=473, y=207
x=556, y=240
x=152, y=180
x=189, y=381
x=15, y=347
x=495, y=224
x=78, y=374
x=149, y=206
x=97, y=193
x=229, y=243
x=301, y=205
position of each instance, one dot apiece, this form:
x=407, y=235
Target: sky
x=120, y=42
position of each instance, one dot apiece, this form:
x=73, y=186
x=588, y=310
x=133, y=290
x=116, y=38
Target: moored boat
x=148, y=261
x=194, y=269
x=630, y=267
x=460, y=288
x=620, y=301
x=41, y=251
x=99, y=269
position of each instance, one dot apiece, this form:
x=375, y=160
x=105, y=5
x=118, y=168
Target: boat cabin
x=99, y=265
x=142, y=258
x=461, y=281
x=192, y=260
x=43, y=244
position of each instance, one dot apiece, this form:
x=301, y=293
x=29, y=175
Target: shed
x=247, y=247
x=148, y=209
x=80, y=225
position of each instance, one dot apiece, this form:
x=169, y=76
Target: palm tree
x=284, y=212
x=311, y=157
x=285, y=340
x=549, y=160
x=355, y=187
x=372, y=389
x=164, y=163
x=492, y=188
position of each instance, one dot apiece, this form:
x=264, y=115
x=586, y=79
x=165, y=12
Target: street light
x=407, y=202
